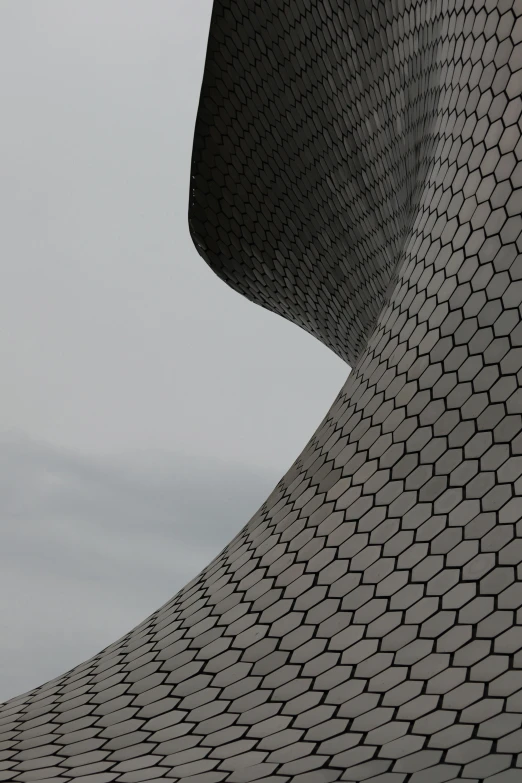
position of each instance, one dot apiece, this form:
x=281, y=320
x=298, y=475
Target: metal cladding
x=357, y=169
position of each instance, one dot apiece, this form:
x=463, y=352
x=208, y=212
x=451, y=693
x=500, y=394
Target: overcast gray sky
x=147, y=410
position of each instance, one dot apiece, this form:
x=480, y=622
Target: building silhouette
x=357, y=169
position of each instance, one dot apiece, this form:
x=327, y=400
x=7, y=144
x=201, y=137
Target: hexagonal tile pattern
x=357, y=169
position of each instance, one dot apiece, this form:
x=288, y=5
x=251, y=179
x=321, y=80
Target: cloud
x=119, y=337
x=91, y=546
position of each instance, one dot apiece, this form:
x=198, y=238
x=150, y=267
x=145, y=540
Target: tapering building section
x=357, y=169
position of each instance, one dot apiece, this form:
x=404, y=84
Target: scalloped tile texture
x=357, y=169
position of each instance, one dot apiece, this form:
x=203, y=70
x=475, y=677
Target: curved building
x=357, y=168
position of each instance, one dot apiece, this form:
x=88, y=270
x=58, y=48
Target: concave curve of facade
x=357, y=169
